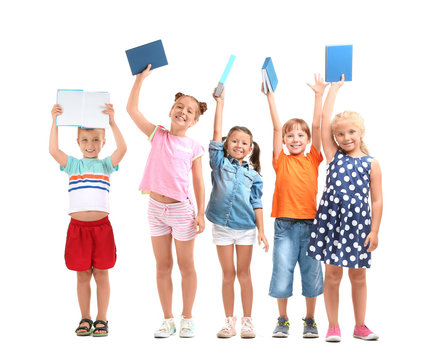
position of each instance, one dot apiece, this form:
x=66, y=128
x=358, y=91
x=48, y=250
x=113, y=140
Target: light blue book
x=269, y=78
x=83, y=108
x=219, y=88
x=338, y=61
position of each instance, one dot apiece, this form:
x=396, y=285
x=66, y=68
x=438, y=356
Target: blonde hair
x=354, y=118
x=293, y=123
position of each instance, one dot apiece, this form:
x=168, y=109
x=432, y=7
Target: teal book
x=269, y=78
x=338, y=61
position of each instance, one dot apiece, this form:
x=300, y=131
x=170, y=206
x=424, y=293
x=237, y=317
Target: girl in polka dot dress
x=344, y=233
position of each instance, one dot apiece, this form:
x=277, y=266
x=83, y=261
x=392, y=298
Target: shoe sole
x=248, y=336
x=162, y=336
x=333, y=339
x=280, y=335
x=310, y=335
x=369, y=337
x=224, y=336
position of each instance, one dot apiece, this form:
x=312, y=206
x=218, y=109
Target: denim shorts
x=292, y=237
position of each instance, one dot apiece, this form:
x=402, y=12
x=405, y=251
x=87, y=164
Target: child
x=171, y=212
x=294, y=207
x=343, y=228
x=235, y=209
x=90, y=246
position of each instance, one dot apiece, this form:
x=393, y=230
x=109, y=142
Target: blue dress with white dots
x=343, y=219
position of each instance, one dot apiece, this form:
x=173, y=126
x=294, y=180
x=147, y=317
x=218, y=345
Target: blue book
x=338, y=61
x=269, y=78
x=141, y=56
x=219, y=88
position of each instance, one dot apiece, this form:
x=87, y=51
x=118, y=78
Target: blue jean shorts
x=292, y=237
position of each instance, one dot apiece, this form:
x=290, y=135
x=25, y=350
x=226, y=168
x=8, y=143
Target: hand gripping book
x=141, y=56
x=269, y=78
x=338, y=61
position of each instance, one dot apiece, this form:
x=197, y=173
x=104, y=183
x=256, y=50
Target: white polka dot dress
x=343, y=219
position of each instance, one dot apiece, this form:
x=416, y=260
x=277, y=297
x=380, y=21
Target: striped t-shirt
x=88, y=183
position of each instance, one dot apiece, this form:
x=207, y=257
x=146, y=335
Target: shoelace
x=165, y=326
x=186, y=324
x=228, y=325
x=247, y=324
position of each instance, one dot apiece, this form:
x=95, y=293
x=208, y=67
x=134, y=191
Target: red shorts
x=90, y=244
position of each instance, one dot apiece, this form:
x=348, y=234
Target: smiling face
x=91, y=141
x=296, y=140
x=239, y=145
x=184, y=113
x=348, y=136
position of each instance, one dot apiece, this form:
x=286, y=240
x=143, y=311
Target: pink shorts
x=176, y=218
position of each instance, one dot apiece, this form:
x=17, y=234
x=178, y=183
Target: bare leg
x=282, y=307
x=359, y=294
x=84, y=295
x=310, y=305
x=184, y=252
x=333, y=276
x=225, y=256
x=103, y=294
x=243, y=259
x=162, y=248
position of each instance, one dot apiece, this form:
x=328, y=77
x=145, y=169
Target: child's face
x=348, y=136
x=91, y=142
x=184, y=112
x=239, y=145
x=296, y=140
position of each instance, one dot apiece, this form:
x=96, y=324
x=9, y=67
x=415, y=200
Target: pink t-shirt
x=169, y=163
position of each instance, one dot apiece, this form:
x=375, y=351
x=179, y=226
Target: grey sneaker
x=310, y=329
x=282, y=328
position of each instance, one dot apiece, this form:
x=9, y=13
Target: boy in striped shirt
x=90, y=247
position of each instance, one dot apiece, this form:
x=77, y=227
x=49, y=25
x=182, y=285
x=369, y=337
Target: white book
x=83, y=108
x=266, y=82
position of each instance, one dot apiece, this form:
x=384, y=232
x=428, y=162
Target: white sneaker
x=166, y=329
x=187, y=328
x=247, y=329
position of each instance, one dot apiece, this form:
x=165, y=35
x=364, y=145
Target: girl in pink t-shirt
x=171, y=213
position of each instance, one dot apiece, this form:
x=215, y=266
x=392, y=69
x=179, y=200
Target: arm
x=376, y=205
x=56, y=153
x=328, y=142
x=218, y=122
x=132, y=104
x=198, y=187
x=260, y=225
x=118, y=154
x=277, y=127
x=319, y=89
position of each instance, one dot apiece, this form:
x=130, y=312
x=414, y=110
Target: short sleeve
x=315, y=155
x=216, y=154
x=282, y=156
x=107, y=163
x=70, y=165
x=198, y=150
x=256, y=192
x=157, y=134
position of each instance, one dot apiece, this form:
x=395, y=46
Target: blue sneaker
x=282, y=328
x=310, y=329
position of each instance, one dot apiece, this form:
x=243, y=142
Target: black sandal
x=104, y=328
x=87, y=328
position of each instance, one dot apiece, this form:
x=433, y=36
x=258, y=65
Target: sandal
x=87, y=328
x=104, y=328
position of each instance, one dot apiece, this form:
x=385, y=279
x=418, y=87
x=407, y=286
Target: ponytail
x=254, y=158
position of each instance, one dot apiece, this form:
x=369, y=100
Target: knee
x=164, y=268
x=186, y=267
x=333, y=277
x=357, y=277
x=84, y=276
x=244, y=275
x=229, y=276
x=100, y=276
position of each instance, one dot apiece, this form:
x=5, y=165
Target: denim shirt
x=236, y=191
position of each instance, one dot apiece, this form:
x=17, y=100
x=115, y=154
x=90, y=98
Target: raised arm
x=328, y=142
x=56, y=153
x=376, y=205
x=132, y=104
x=277, y=127
x=198, y=187
x=218, y=122
x=119, y=153
x=319, y=89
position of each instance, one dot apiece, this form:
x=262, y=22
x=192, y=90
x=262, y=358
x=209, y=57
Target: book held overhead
x=141, y=56
x=269, y=78
x=338, y=61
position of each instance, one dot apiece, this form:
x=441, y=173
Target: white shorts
x=223, y=235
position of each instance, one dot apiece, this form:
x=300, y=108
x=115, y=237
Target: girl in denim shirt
x=235, y=209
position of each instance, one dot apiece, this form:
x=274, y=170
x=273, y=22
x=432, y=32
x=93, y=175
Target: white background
x=80, y=44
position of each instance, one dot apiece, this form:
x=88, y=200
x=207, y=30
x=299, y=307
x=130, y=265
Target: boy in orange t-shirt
x=294, y=207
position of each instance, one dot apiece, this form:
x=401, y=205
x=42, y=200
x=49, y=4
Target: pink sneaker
x=229, y=328
x=247, y=328
x=333, y=334
x=364, y=333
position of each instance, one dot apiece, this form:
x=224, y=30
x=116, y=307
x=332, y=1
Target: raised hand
x=146, y=72
x=319, y=86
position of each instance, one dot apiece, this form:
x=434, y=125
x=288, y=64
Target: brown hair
x=254, y=156
x=356, y=119
x=202, y=106
x=293, y=123
x=88, y=129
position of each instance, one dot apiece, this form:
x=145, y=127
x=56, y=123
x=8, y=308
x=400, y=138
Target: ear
x=104, y=141
x=78, y=141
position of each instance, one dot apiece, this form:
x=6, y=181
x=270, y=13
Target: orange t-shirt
x=296, y=185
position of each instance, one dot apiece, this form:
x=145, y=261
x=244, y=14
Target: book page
x=93, y=116
x=71, y=101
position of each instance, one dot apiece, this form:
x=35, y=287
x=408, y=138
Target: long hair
x=356, y=119
x=254, y=156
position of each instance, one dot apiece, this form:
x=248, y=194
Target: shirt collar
x=236, y=162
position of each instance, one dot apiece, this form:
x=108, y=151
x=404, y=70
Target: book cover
x=141, y=56
x=338, y=61
x=82, y=108
x=270, y=75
